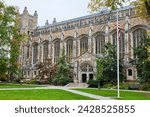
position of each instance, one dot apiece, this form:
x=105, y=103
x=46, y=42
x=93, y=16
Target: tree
x=10, y=40
x=142, y=5
x=142, y=62
x=109, y=62
x=47, y=71
x=99, y=72
x=64, y=72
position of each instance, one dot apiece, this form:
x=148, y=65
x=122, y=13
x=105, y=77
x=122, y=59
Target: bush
x=61, y=81
x=108, y=86
x=124, y=85
x=33, y=81
x=93, y=83
x=3, y=79
x=145, y=87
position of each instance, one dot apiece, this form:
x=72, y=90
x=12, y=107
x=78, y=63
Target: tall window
x=100, y=44
x=56, y=50
x=83, y=45
x=138, y=36
x=121, y=43
x=35, y=53
x=45, y=51
x=69, y=49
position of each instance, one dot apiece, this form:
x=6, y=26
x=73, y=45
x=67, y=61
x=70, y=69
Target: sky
x=50, y=9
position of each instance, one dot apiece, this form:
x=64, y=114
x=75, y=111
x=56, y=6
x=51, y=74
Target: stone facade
x=83, y=39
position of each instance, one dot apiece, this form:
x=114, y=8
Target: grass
x=40, y=94
x=125, y=95
x=16, y=86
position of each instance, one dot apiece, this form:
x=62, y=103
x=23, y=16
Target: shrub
x=145, y=87
x=3, y=79
x=93, y=83
x=109, y=86
x=33, y=81
x=61, y=81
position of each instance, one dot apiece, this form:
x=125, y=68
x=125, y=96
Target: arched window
x=83, y=45
x=138, y=36
x=56, y=50
x=45, y=51
x=121, y=43
x=69, y=49
x=100, y=44
x=35, y=53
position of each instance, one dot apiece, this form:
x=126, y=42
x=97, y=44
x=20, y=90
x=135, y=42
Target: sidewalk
x=88, y=95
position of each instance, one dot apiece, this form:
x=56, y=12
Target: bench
x=134, y=87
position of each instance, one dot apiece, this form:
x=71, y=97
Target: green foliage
x=10, y=40
x=142, y=62
x=145, y=87
x=143, y=6
x=33, y=81
x=96, y=5
x=63, y=72
x=99, y=67
x=93, y=83
x=109, y=62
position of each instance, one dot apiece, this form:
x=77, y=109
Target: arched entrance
x=86, y=72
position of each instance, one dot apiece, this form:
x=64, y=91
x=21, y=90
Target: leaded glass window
x=100, y=44
x=45, y=51
x=35, y=53
x=56, y=50
x=83, y=45
x=69, y=49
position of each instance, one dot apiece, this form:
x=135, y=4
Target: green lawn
x=40, y=94
x=125, y=95
x=16, y=86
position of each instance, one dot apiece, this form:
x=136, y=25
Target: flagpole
x=118, y=55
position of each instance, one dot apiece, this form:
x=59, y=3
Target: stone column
x=75, y=46
x=90, y=40
x=127, y=42
x=78, y=47
x=61, y=43
x=107, y=33
x=53, y=53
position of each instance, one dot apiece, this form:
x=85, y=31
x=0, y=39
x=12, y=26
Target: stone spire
x=35, y=14
x=25, y=10
x=54, y=21
x=46, y=23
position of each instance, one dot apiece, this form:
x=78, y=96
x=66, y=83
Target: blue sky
x=50, y=9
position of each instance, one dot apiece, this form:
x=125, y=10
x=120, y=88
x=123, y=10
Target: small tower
x=46, y=23
x=54, y=21
x=25, y=11
x=35, y=15
x=28, y=22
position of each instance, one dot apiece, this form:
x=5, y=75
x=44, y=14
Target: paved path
x=66, y=89
x=88, y=95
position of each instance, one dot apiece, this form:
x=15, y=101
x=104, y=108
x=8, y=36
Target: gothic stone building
x=83, y=40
